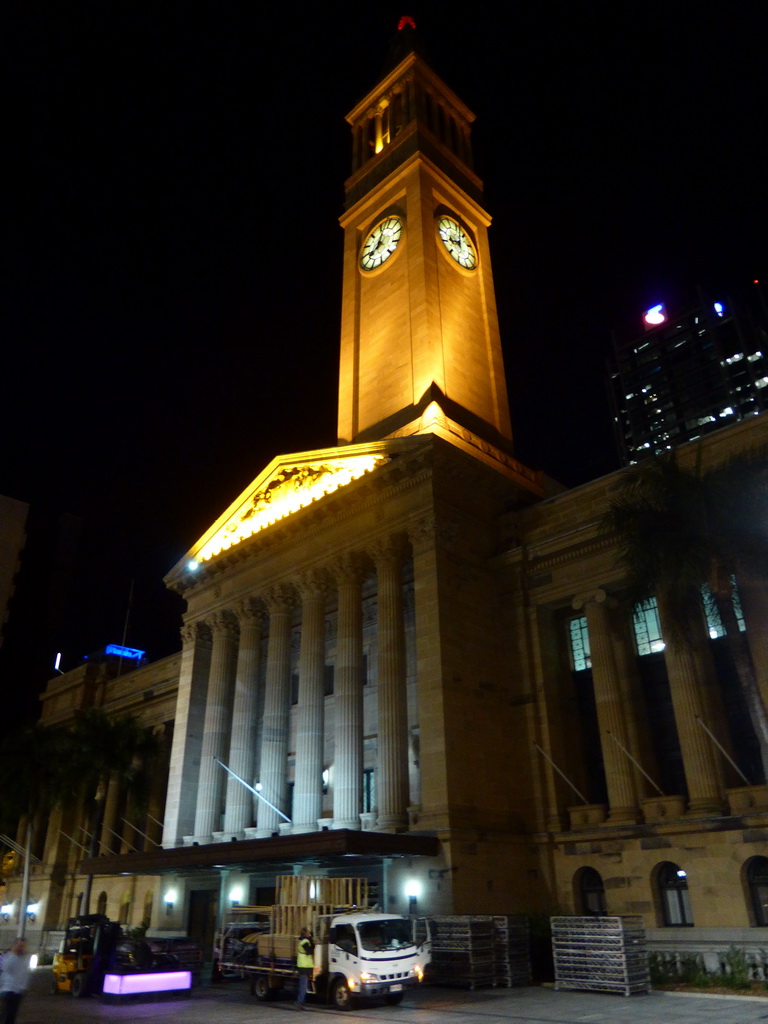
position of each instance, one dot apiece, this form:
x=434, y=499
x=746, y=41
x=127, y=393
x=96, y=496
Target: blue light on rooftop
x=124, y=652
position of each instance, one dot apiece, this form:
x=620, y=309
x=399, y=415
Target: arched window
x=125, y=908
x=757, y=880
x=672, y=882
x=591, y=893
x=101, y=906
x=147, y=915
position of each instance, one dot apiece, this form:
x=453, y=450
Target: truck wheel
x=341, y=997
x=394, y=999
x=261, y=988
x=79, y=985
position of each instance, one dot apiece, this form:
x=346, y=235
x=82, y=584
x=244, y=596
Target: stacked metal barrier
x=512, y=943
x=600, y=954
x=476, y=951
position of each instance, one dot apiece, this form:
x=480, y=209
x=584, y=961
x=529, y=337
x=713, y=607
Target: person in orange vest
x=305, y=963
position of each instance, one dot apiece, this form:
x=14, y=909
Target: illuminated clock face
x=457, y=242
x=381, y=243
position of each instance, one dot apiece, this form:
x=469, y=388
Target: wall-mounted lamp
x=32, y=910
x=170, y=898
x=412, y=891
x=236, y=895
x=6, y=911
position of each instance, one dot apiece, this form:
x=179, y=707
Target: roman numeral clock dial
x=457, y=242
x=381, y=243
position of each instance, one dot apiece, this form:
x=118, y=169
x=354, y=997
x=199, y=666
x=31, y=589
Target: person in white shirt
x=14, y=978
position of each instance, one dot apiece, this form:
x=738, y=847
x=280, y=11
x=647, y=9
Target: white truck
x=359, y=953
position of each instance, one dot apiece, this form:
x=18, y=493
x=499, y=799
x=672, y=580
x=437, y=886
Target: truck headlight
x=366, y=978
x=418, y=971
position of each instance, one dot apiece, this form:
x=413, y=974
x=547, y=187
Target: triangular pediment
x=288, y=484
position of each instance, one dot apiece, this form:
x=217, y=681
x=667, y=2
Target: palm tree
x=108, y=749
x=684, y=533
x=34, y=778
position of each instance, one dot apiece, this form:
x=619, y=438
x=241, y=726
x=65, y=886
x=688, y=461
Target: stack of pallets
x=476, y=950
x=600, y=954
x=512, y=950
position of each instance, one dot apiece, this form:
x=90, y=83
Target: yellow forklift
x=86, y=949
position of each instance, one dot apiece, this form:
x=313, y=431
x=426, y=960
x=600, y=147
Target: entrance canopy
x=329, y=848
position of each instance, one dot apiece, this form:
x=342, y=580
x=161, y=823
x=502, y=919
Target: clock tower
x=420, y=344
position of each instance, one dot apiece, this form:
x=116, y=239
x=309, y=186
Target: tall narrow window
x=369, y=790
x=757, y=879
x=647, y=628
x=581, y=657
x=673, y=892
x=591, y=893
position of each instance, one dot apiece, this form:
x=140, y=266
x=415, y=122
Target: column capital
x=348, y=568
x=388, y=550
x=224, y=624
x=596, y=596
x=432, y=531
x=313, y=583
x=280, y=597
x=250, y=611
x=196, y=633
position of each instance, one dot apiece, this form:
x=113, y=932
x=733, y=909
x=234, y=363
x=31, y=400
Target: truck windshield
x=383, y=934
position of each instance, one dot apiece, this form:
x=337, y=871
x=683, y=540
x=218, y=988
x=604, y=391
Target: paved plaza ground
x=232, y=1003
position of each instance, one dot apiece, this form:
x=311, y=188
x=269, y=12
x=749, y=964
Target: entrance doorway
x=203, y=908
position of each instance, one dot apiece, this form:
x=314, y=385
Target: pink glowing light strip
x=160, y=981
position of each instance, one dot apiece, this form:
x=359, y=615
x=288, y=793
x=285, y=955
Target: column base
x=258, y=833
x=228, y=836
x=705, y=807
x=285, y=828
x=368, y=821
x=198, y=840
x=353, y=824
x=300, y=827
x=391, y=823
x=622, y=816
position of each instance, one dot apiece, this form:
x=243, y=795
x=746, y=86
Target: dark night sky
x=172, y=258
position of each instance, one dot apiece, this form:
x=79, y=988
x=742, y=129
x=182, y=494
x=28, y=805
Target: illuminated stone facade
x=395, y=656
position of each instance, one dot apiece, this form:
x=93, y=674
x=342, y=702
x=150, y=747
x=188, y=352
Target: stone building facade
x=418, y=651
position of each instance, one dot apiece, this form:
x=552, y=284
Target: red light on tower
x=654, y=316
x=405, y=20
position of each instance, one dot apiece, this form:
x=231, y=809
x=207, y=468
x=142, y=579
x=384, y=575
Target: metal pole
x=254, y=791
x=639, y=767
x=142, y=834
x=562, y=775
x=727, y=757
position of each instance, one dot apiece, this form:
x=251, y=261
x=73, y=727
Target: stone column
x=700, y=759
x=348, y=761
x=239, y=809
x=163, y=734
x=274, y=743
x=433, y=541
x=310, y=718
x=110, y=841
x=218, y=715
x=392, y=781
x=619, y=772
x=184, y=768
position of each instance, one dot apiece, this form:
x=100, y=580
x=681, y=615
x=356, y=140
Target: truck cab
x=370, y=955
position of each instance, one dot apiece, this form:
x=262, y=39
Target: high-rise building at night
x=692, y=370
